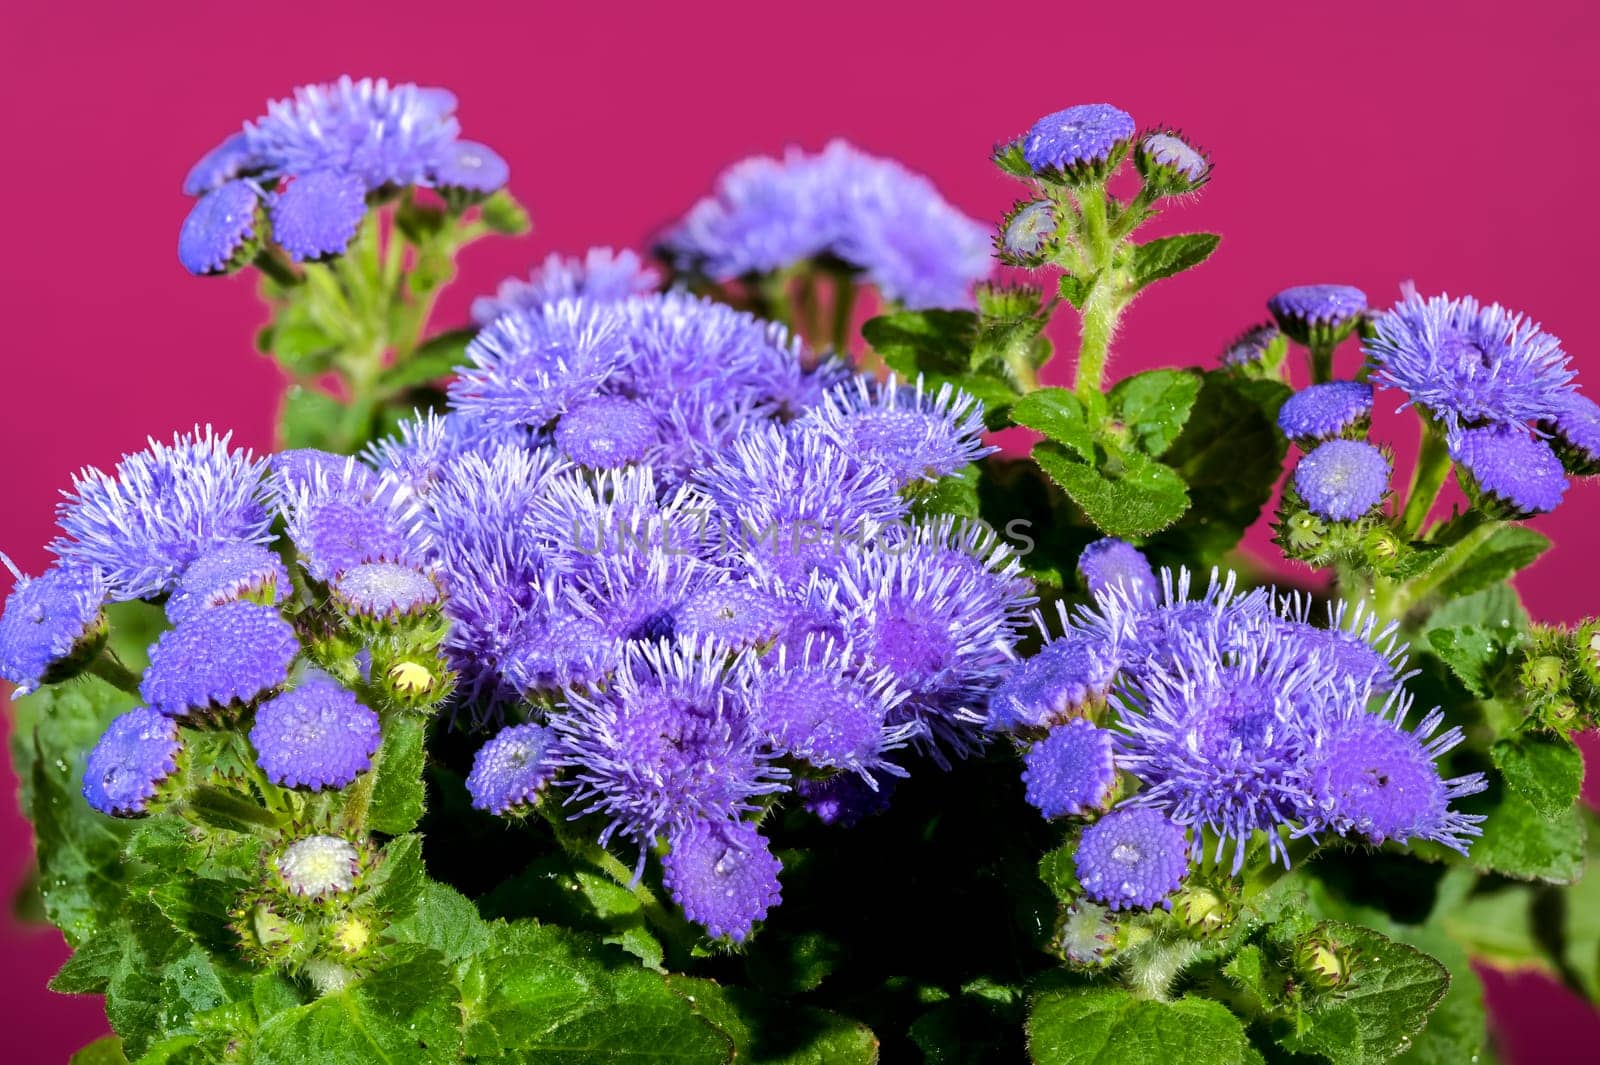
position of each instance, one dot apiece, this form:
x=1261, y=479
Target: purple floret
x=138, y=750
x=316, y=736
x=1508, y=471
x=1319, y=412
x=512, y=769
x=1132, y=859
x=1083, y=136
x=1071, y=770
x=227, y=655
x=1342, y=480
x=724, y=875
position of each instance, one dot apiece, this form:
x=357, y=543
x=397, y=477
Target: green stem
x=270, y=261
x=774, y=290
x=109, y=668
x=1101, y=307
x=844, y=307
x=1321, y=364
x=224, y=809
x=1100, y=314
x=1393, y=601
x=578, y=846
x=1427, y=478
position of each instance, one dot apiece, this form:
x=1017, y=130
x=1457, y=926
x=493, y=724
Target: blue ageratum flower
x=224, y=574
x=52, y=625
x=665, y=745
x=1508, y=472
x=512, y=770
x=1360, y=648
x=385, y=591
x=602, y=275
x=340, y=520
x=1574, y=429
x=1321, y=412
x=220, y=232
x=1369, y=778
x=160, y=510
x=1066, y=676
x=1110, y=563
x=903, y=429
x=825, y=709
x=1132, y=859
x=1071, y=770
x=1466, y=364
x=581, y=520
x=1217, y=737
x=1081, y=142
x=1342, y=480
x=424, y=445
x=316, y=736
x=1318, y=314
x=724, y=876
x=794, y=501
x=314, y=159
x=1250, y=346
x=740, y=613
x=528, y=367
x=871, y=213
x=944, y=627
x=137, y=751
x=1171, y=163
x=221, y=657
x=608, y=432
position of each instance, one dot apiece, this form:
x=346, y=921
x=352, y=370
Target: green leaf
x=1059, y=415
x=1496, y=608
x=1075, y=289
x=407, y=1011
x=1546, y=770
x=1509, y=549
x=398, y=882
x=419, y=223
x=933, y=341
x=777, y=1032
x=1496, y=924
x=443, y=920
x=1519, y=841
x=1155, y=405
x=956, y=494
x=1166, y=256
x=301, y=344
x=1392, y=989
x=1230, y=454
x=555, y=997
x=1105, y=1026
x=106, y=1051
x=1139, y=498
x=397, y=790
x=1475, y=654
x=503, y=214
x=438, y=358
x=309, y=418
x=1009, y=158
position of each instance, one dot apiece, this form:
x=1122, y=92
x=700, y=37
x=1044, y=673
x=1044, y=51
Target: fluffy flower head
x=315, y=736
x=138, y=750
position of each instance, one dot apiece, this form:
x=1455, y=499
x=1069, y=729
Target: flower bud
x=1085, y=934
x=317, y=868
x=1323, y=963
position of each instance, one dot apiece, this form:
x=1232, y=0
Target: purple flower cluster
x=689, y=541
x=1501, y=390
x=192, y=523
x=303, y=172
x=839, y=204
x=1233, y=718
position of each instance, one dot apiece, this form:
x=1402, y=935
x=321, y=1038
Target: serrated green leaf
x=1475, y=654
x=932, y=341
x=1059, y=415
x=443, y=920
x=406, y=1011
x=1166, y=256
x=1155, y=405
x=1496, y=608
x=1546, y=770
x=397, y=790
x=106, y=1051
x=1496, y=924
x=553, y=996
x=777, y=1032
x=1392, y=989
x=1230, y=454
x=788, y=963
x=1075, y=289
x=1521, y=842
x=436, y=359
x=1509, y=549
x=398, y=881
x=1095, y=1026
x=956, y=495
x=1139, y=498
x=309, y=418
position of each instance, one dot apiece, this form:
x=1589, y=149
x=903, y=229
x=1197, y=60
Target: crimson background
x=1360, y=142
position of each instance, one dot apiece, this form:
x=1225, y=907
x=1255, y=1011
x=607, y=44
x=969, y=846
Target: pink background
x=1359, y=142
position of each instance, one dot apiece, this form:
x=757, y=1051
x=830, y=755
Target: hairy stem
x=1427, y=478
x=1102, y=306
x=109, y=668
